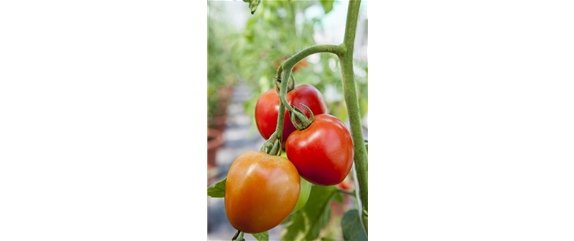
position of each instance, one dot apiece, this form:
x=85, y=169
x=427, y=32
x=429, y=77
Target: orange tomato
x=260, y=192
x=302, y=64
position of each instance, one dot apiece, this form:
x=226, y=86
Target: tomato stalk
x=236, y=235
x=347, y=192
x=290, y=88
x=350, y=92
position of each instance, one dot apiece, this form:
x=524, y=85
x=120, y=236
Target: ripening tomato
x=323, y=152
x=267, y=109
x=301, y=64
x=345, y=185
x=260, y=192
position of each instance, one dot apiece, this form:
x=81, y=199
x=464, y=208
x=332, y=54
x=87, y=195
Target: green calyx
x=273, y=145
x=290, y=87
x=299, y=119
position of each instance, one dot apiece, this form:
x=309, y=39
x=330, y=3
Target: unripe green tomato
x=304, y=193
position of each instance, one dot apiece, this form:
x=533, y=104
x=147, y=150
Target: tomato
x=345, y=185
x=323, y=152
x=267, y=109
x=302, y=64
x=303, y=195
x=260, y=192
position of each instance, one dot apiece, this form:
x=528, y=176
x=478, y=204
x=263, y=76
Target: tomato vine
x=273, y=145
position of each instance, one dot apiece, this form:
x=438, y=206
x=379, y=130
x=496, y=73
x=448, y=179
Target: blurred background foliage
x=221, y=69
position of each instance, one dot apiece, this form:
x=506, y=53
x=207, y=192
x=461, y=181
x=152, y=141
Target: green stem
x=347, y=192
x=236, y=235
x=349, y=89
x=284, y=70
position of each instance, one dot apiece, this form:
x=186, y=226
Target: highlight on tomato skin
x=267, y=109
x=323, y=152
x=261, y=191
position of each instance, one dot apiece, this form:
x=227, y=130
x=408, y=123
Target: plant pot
x=211, y=173
x=218, y=122
x=224, y=93
x=214, y=141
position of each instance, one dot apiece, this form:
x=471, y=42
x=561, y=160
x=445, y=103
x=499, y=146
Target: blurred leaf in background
x=327, y=5
x=351, y=225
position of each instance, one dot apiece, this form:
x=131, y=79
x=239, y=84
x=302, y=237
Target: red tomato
x=322, y=153
x=345, y=185
x=267, y=109
x=260, y=192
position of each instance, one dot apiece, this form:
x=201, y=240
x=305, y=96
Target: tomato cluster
x=261, y=189
x=267, y=109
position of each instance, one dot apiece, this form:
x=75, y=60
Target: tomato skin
x=323, y=153
x=267, y=109
x=260, y=192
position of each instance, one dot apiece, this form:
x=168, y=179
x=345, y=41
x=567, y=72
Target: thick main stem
x=350, y=91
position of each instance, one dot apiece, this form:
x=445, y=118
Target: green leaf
x=261, y=236
x=351, y=225
x=327, y=5
x=308, y=222
x=217, y=189
x=338, y=197
x=290, y=218
x=253, y=5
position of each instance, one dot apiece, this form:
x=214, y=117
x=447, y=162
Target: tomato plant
x=262, y=189
x=267, y=108
x=323, y=152
x=260, y=192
